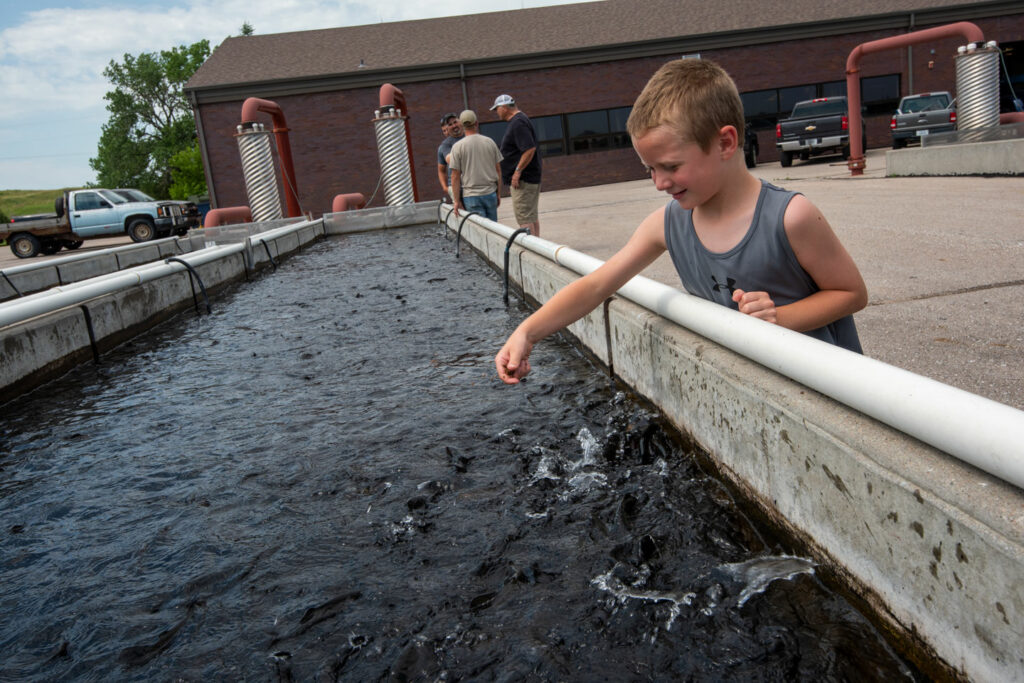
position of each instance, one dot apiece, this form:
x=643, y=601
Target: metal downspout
x=203, y=154
x=910, y=61
x=970, y=32
x=462, y=79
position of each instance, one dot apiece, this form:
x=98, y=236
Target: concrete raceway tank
x=321, y=478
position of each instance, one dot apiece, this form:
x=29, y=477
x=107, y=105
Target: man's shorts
x=525, y=199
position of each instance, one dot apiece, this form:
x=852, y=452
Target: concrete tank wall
x=46, y=346
x=998, y=157
x=36, y=277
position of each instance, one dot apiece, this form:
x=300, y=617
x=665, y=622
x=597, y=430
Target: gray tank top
x=763, y=261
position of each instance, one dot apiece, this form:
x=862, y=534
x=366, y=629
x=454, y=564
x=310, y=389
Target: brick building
x=574, y=69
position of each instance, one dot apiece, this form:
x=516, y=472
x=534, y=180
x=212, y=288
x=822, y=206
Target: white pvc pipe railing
x=274, y=233
x=69, y=295
x=974, y=429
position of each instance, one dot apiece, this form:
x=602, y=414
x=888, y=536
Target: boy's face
x=681, y=169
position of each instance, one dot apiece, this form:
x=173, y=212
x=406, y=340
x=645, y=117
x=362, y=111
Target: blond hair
x=694, y=98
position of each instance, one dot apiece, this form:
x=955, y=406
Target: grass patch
x=27, y=202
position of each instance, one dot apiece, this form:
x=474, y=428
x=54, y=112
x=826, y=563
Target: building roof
x=354, y=56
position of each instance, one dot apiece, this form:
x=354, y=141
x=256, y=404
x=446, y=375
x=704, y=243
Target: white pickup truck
x=83, y=214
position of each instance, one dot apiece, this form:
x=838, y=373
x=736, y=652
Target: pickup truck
x=84, y=214
x=818, y=126
x=922, y=114
x=188, y=209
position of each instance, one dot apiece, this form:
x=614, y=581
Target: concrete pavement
x=943, y=259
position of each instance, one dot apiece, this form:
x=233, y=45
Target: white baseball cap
x=502, y=101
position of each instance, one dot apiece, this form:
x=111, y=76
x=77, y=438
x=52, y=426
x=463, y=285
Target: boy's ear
x=728, y=141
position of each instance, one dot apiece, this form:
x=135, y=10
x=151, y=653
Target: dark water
x=324, y=480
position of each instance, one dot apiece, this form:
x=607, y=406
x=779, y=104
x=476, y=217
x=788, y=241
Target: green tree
x=150, y=118
x=246, y=29
x=187, y=176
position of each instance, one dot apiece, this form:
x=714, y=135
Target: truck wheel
x=750, y=157
x=898, y=143
x=846, y=151
x=786, y=159
x=58, y=206
x=71, y=246
x=141, y=230
x=25, y=245
x=50, y=247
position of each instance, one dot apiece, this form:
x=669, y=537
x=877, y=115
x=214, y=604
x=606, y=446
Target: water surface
x=325, y=480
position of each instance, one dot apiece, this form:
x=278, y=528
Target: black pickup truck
x=818, y=126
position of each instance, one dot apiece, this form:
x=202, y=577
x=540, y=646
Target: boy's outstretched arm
x=823, y=256
x=580, y=297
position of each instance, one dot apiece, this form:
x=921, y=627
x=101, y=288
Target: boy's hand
x=512, y=361
x=757, y=304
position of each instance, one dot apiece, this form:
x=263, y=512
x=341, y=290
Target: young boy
x=733, y=239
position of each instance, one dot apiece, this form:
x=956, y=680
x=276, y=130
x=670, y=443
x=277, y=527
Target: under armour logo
x=729, y=282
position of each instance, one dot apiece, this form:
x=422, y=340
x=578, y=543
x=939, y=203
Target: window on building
x=495, y=130
x=763, y=108
x=880, y=94
x=588, y=131
x=760, y=103
x=833, y=89
x=790, y=96
x=1011, y=80
x=550, y=138
x=617, y=126
x=760, y=108
x=576, y=133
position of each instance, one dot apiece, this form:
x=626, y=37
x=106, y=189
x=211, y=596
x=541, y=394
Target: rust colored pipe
x=390, y=96
x=227, y=215
x=970, y=32
x=1011, y=117
x=284, y=148
x=347, y=202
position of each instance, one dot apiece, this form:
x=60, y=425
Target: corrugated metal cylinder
x=396, y=172
x=258, y=171
x=977, y=86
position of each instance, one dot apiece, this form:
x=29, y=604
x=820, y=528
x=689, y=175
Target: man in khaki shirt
x=476, y=170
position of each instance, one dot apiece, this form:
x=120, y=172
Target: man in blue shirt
x=452, y=130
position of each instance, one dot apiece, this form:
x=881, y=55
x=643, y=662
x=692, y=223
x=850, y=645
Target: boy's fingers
x=503, y=364
x=511, y=367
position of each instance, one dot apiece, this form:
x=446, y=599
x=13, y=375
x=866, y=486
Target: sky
x=53, y=53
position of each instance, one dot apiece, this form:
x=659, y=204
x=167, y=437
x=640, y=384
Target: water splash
x=759, y=572
x=590, y=447
x=614, y=585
